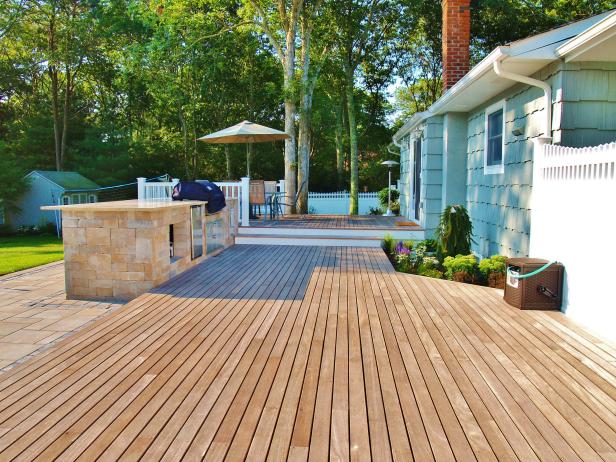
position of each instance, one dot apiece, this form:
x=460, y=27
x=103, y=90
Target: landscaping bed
x=449, y=256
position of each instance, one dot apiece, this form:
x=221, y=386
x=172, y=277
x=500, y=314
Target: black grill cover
x=200, y=191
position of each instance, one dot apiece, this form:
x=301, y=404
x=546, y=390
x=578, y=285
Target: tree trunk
x=290, y=159
x=353, y=148
x=55, y=92
x=55, y=106
x=290, y=154
x=65, y=115
x=305, y=119
x=340, y=143
x=185, y=142
x=228, y=160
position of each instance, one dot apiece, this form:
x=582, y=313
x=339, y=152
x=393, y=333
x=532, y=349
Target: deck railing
x=572, y=221
x=239, y=190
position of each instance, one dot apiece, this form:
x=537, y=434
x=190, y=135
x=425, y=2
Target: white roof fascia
x=411, y=123
x=591, y=37
x=484, y=66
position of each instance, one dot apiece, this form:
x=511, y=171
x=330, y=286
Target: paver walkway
x=315, y=353
x=34, y=311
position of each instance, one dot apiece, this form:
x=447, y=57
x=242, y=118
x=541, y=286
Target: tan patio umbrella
x=245, y=132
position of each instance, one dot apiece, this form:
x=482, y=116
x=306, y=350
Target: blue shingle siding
x=588, y=100
x=432, y=173
x=499, y=205
x=405, y=177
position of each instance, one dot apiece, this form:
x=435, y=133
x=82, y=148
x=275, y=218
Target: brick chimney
x=456, y=40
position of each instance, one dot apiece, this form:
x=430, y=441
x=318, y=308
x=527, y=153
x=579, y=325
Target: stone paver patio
x=34, y=312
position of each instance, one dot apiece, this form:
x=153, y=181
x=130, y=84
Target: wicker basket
x=540, y=292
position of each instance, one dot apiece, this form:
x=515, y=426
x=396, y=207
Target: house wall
x=406, y=169
x=431, y=174
x=587, y=104
x=42, y=192
x=454, y=159
x=584, y=113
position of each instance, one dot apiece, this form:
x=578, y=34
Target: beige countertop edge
x=124, y=206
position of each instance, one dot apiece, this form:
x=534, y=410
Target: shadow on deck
x=315, y=353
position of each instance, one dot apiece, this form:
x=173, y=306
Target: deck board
x=309, y=353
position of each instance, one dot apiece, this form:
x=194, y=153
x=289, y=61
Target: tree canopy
x=117, y=89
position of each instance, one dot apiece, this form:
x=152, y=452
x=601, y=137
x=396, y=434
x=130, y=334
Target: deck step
x=344, y=233
x=308, y=240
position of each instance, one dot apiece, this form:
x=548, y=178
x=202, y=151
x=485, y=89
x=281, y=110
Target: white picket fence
x=573, y=220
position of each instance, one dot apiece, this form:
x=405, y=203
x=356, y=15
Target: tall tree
x=308, y=79
x=361, y=27
x=279, y=20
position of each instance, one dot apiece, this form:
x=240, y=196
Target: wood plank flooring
x=335, y=222
x=314, y=353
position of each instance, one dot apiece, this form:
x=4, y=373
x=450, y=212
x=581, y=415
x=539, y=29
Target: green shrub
x=493, y=271
x=454, y=232
x=395, y=196
x=494, y=264
x=408, y=244
x=462, y=268
x=430, y=245
x=375, y=211
x=404, y=263
x=428, y=263
x=431, y=273
x=388, y=244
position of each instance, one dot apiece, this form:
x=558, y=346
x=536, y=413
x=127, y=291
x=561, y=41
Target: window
x=66, y=200
x=494, y=139
x=92, y=199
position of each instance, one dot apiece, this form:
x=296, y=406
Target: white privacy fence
x=338, y=203
x=573, y=220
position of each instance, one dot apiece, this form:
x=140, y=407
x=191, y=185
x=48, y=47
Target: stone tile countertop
x=125, y=206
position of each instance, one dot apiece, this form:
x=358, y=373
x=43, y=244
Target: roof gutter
x=547, y=94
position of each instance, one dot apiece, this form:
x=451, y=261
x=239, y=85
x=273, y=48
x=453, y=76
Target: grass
x=22, y=252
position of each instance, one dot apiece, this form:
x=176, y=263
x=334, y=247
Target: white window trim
x=493, y=169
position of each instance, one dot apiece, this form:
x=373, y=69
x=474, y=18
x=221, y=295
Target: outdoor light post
x=390, y=164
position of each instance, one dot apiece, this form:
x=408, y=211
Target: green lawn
x=21, y=252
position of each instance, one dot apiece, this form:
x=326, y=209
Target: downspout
x=547, y=95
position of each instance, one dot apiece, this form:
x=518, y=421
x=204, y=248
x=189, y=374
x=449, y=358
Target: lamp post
x=390, y=164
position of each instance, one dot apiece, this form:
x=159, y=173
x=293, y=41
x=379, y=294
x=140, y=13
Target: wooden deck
x=335, y=222
x=302, y=353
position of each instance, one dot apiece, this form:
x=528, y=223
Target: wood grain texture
x=314, y=353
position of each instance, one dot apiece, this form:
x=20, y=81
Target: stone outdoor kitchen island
x=119, y=250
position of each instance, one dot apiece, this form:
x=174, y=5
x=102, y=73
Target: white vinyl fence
x=574, y=221
x=338, y=203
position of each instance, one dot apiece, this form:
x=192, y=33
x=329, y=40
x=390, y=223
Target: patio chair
x=270, y=192
x=257, y=197
x=281, y=200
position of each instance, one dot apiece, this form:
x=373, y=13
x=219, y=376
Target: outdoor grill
x=540, y=291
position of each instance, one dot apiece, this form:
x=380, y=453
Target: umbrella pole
x=248, y=160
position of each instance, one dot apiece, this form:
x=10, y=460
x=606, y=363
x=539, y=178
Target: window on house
x=494, y=139
x=66, y=200
x=92, y=199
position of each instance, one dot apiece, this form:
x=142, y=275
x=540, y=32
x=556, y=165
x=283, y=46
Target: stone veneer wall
x=120, y=255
